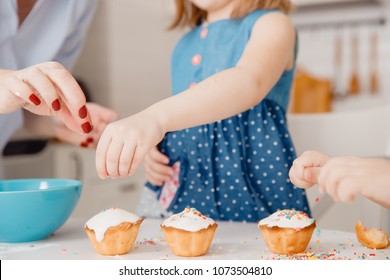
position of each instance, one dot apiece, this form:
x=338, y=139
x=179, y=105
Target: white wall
x=126, y=59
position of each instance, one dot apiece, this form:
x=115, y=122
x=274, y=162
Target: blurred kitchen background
x=340, y=101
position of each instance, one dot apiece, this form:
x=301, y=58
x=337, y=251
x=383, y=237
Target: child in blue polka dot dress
x=220, y=143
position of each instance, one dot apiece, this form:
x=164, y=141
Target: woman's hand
x=100, y=116
x=125, y=143
x=306, y=168
x=45, y=89
x=157, y=170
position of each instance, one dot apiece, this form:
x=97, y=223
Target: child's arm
x=268, y=53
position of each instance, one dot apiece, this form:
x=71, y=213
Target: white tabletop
x=233, y=240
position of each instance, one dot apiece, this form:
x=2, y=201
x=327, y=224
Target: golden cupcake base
x=118, y=240
x=286, y=241
x=189, y=244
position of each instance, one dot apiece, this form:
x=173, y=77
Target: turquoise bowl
x=32, y=209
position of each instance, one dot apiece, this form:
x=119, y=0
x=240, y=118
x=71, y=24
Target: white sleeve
x=83, y=14
x=8, y=124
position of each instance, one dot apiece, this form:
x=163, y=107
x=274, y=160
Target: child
x=344, y=177
x=225, y=128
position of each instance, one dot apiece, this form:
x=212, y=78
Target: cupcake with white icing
x=189, y=233
x=113, y=231
x=287, y=231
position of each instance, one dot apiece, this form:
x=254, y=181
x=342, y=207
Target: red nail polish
x=56, y=105
x=87, y=128
x=83, y=112
x=34, y=99
x=89, y=139
x=84, y=144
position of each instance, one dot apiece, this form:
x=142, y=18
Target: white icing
x=190, y=220
x=287, y=219
x=109, y=218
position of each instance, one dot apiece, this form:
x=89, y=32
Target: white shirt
x=53, y=30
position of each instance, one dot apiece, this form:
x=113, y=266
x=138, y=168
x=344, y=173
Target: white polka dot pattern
x=247, y=184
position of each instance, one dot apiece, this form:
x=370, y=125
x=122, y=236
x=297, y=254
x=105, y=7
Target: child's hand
x=345, y=177
x=305, y=170
x=125, y=143
x=157, y=170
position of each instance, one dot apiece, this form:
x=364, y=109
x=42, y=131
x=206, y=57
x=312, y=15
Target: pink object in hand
x=170, y=187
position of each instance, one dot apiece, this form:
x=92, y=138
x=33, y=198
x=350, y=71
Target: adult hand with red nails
x=100, y=116
x=55, y=128
x=46, y=89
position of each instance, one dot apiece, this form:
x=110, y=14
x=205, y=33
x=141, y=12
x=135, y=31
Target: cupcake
x=189, y=233
x=113, y=231
x=287, y=231
x=371, y=237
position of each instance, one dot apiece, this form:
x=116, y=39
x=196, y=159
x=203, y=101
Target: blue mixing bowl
x=32, y=209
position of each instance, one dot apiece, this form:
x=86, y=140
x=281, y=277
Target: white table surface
x=232, y=240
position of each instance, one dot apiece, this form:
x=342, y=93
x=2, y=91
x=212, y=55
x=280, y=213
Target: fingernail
x=89, y=140
x=87, y=128
x=83, y=112
x=34, y=99
x=56, y=105
x=84, y=144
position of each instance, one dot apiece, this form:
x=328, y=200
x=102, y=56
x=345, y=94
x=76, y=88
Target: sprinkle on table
x=308, y=256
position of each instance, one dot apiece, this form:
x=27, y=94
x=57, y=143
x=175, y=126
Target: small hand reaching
x=157, y=170
x=125, y=143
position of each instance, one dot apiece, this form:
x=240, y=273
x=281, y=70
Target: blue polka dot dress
x=236, y=168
